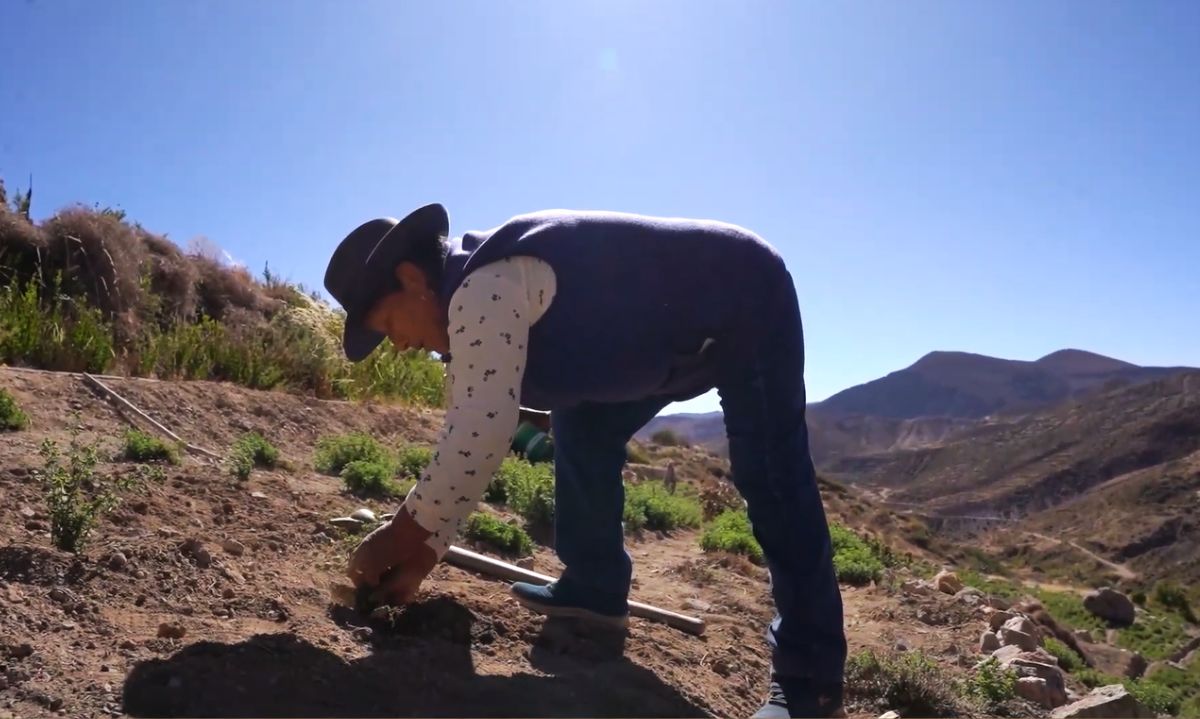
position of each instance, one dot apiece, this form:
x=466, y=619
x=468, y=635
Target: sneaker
x=559, y=599
x=801, y=698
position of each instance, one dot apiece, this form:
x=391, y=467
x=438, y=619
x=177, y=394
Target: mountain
x=936, y=400
x=965, y=385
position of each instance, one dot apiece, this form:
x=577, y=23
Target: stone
x=918, y=588
x=998, y=619
x=258, y=495
x=1022, y=624
x=195, y=549
x=20, y=651
x=988, y=643
x=525, y=563
x=386, y=517
x=117, y=560
x=1017, y=638
x=998, y=603
x=1115, y=661
x=697, y=604
x=1159, y=667
x=947, y=582
x=171, y=630
x=1083, y=635
x=364, y=515
x=234, y=547
x=347, y=523
x=970, y=596
x=1004, y=654
x=27, y=513
x=1108, y=603
x=60, y=595
x=889, y=715
x=1113, y=701
x=1035, y=689
x=1182, y=654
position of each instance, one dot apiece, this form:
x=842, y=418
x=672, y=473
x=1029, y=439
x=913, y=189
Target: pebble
x=362, y=634
x=35, y=525
x=697, y=604
x=228, y=593
x=129, y=644
x=258, y=495
x=59, y=594
x=363, y=515
x=889, y=715
x=233, y=547
x=27, y=513
x=386, y=517
x=347, y=523
x=117, y=560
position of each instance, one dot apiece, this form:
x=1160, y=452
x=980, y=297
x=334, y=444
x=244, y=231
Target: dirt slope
x=262, y=639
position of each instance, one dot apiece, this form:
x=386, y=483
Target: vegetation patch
x=143, y=447
x=11, y=416
x=1068, y=659
x=412, y=460
x=496, y=533
x=730, y=532
x=335, y=452
x=649, y=505
x=856, y=560
x=910, y=684
x=76, y=496
x=528, y=490
x=668, y=438
x=251, y=451
x=369, y=477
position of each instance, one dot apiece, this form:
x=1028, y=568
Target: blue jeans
x=763, y=398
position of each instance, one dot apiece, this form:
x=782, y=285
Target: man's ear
x=411, y=277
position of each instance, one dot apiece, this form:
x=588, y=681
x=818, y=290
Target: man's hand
x=393, y=560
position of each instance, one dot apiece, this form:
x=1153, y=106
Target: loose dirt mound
x=100, y=633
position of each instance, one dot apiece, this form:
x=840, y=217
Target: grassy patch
x=855, y=560
x=1067, y=608
x=730, y=532
x=910, y=683
x=651, y=506
x=11, y=416
x=412, y=460
x=1174, y=597
x=507, y=538
x=528, y=489
x=76, y=496
x=1067, y=658
x=251, y=451
x=335, y=452
x=996, y=587
x=1156, y=634
x=991, y=685
x=368, y=477
x=143, y=447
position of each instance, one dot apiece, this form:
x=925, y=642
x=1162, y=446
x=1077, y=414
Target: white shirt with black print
x=490, y=315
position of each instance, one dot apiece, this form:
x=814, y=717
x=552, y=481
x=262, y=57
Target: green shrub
x=991, y=684
x=75, y=495
x=1138, y=597
x=334, y=453
x=634, y=453
x=412, y=460
x=853, y=559
x=996, y=587
x=11, y=416
x=1093, y=678
x=143, y=447
x=910, y=683
x=650, y=505
x=1067, y=608
x=668, y=438
x=1157, y=698
x=492, y=531
x=251, y=451
x=369, y=477
x=731, y=532
x=1155, y=634
x=1173, y=596
x=1067, y=657
x=529, y=490
x=51, y=331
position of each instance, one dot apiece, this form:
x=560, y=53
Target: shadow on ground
x=420, y=665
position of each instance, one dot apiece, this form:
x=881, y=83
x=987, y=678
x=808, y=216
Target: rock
x=195, y=549
x=234, y=547
x=901, y=645
x=889, y=715
x=258, y=495
x=931, y=617
x=347, y=523
x=1022, y=624
x=998, y=619
x=998, y=603
x=697, y=604
x=1017, y=638
x=1004, y=654
x=1161, y=666
x=525, y=562
x=918, y=588
x=117, y=560
x=362, y=634
x=1181, y=654
x=1036, y=690
x=386, y=517
x=1111, y=701
x=1108, y=603
x=1083, y=635
x=989, y=643
x=947, y=582
x=61, y=595
x=171, y=630
x=20, y=651
x=970, y=596
x=27, y=513
x=364, y=515
x=1115, y=661
x=129, y=645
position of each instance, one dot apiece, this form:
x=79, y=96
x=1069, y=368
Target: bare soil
x=99, y=634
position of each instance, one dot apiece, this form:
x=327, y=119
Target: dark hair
x=429, y=255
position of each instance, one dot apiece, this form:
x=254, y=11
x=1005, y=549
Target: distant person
x=603, y=319
x=669, y=478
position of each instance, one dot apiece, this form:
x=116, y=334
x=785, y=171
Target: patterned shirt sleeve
x=490, y=315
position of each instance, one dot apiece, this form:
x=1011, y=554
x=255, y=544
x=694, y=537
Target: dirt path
x=1122, y=570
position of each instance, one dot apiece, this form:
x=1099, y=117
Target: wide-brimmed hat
x=363, y=268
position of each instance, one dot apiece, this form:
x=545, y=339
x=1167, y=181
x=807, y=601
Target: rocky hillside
x=203, y=595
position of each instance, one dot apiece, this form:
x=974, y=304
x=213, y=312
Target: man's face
x=410, y=317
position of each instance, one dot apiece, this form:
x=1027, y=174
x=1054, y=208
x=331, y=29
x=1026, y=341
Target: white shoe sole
x=621, y=622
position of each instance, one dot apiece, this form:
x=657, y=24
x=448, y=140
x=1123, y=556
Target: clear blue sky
x=1008, y=178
